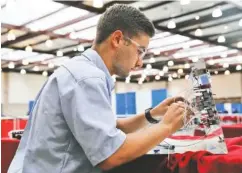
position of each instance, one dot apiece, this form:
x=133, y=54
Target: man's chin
x=123, y=75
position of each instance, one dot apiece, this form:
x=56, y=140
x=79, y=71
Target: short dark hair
x=128, y=19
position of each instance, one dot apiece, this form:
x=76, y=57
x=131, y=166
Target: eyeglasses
x=141, y=50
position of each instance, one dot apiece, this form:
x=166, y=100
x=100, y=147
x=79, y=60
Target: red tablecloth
x=189, y=162
x=205, y=162
x=9, y=147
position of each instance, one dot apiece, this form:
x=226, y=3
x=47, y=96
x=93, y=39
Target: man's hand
x=173, y=118
x=162, y=108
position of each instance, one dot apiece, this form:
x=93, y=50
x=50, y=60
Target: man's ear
x=116, y=38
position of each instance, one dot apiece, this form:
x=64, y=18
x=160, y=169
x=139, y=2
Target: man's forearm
x=133, y=123
x=137, y=144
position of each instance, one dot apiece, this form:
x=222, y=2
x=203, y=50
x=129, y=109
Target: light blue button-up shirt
x=72, y=127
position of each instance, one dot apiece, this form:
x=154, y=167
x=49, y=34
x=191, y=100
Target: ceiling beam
x=81, y=5
x=237, y=3
x=206, y=18
x=176, y=31
x=159, y=4
x=189, y=13
x=31, y=34
x=225, y=33
x=44, y=16
x=212, y=25
x=89, y=15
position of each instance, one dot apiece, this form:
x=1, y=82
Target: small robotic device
x=202, y=101
x=199, y=101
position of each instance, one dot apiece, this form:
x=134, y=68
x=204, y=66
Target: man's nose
x=139, y=63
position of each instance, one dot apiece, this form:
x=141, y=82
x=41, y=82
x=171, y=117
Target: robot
x=200, y=103
x=203, y=103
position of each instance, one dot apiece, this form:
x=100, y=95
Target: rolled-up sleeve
x=88, y=113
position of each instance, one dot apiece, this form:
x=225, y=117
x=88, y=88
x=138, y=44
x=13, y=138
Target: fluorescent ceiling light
x=180, y=71
x=161, y=73
x=23, y=71
x=161, y=35
x=27, y=10
x=152, y=60
x=197, y=17
x=11, y=65
x=49, y=43
x=92, y=21
x=228, y=52
x=170, y=63
x=217, y=12
x=198, y=33
x=45, y=73
x=88, y=34
x=157, y=77
x=200, y=52
x=11, y=35
x=187, y=66
x=170, y=79
x=227, y=72
x=238, y=67
x=225, y=65
x=80, y=48
x=185, y=2
x=17, y=55
x=148, y=66
x=167, y=41
x=36, y=68
x=58, y=18
x=59, y=53
x=41, y=57
x=171, y=24
x=231, y=60
x=165, y=69
x=98, y=3
x=239, y=44
x=240, y=22
x=28, y=49
x=194, y=59
x=5, y=51
x=174, y=75
x=211, y=62
x=177, y=46
x=221, y=39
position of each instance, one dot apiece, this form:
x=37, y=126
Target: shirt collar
x=93, y=56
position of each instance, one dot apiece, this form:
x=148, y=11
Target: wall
x=17, y=91
x=122, y=87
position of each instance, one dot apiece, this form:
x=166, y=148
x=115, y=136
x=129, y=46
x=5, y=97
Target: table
x=231, y=131
x=190, y=162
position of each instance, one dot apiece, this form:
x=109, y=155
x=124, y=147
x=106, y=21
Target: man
x=72, y=128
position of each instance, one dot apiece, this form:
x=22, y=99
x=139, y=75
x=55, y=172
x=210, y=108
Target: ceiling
x=186, y=31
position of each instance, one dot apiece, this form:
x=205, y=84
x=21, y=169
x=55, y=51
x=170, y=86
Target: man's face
x=129, y=54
